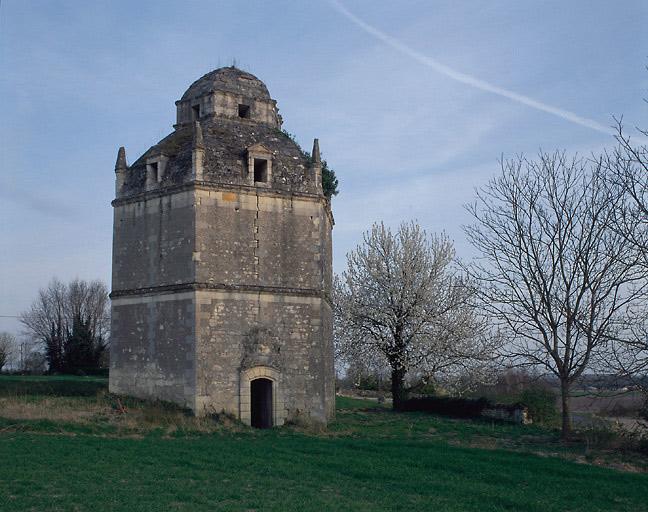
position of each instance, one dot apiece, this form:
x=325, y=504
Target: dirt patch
x=484, y=442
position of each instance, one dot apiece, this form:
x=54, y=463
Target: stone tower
x=222, y=263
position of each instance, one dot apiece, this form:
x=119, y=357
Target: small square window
x=260, y=170
x=244, y=111
x=195, y=112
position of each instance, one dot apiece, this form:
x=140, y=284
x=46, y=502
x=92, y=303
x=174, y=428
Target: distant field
x=68, y=452
x=608, y=404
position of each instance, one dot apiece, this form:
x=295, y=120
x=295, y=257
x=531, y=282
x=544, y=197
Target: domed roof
x=228, y=79
x=226, y=144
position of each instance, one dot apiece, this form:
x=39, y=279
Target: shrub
x=329, y=179
x=428, y=389
x=541, y=403
x=601, y=435
x=85, y=371
x=368, y=382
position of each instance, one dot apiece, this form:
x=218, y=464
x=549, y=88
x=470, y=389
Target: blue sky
x=78, y=79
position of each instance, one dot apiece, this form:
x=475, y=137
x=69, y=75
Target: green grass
x=55, y=385
x=370, y=459
x=51, y=378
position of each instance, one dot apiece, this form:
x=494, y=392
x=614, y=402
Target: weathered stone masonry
x=222, y=262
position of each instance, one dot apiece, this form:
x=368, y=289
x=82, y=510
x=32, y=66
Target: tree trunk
x=398, y=387
x=566, y=411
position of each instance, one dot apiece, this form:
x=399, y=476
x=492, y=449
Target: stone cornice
x=183, y=287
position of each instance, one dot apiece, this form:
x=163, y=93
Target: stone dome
x=229, y=79
x=238, y=124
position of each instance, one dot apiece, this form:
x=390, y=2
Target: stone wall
x=212, y=287
x=240, y=331
x=152, y=351
x=226, y=105
x=153, y=242
x=259, y=239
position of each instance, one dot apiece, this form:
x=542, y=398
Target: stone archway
x=261, y=373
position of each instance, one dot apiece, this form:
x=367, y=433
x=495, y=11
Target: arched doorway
x=261, y=402
x=277, y=408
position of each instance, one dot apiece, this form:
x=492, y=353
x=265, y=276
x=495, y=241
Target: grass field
x=70, y=452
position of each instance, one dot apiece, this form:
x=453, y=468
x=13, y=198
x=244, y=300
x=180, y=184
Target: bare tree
x=628, y=354
x=402, y=301
x=45, y=321
x=555, y=273
x=7, y=348
x=89, y=300
x=60, y=310
x=627, y=166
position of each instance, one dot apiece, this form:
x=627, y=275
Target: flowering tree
x=402, y=302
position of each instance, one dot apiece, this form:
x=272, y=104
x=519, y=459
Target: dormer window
x=259, y=166
x=260, y=170
x=244, y=111
x=155, y=167
x=195, y=112
x=153, y=173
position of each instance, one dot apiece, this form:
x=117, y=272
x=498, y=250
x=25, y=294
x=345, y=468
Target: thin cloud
x=44, y=204
x=467, y=79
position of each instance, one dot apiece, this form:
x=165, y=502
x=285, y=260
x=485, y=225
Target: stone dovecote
x=222, y=263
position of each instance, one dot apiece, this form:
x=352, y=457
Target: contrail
x=468, y=79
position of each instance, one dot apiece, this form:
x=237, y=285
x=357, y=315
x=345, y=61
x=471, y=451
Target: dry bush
x=606, y=435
